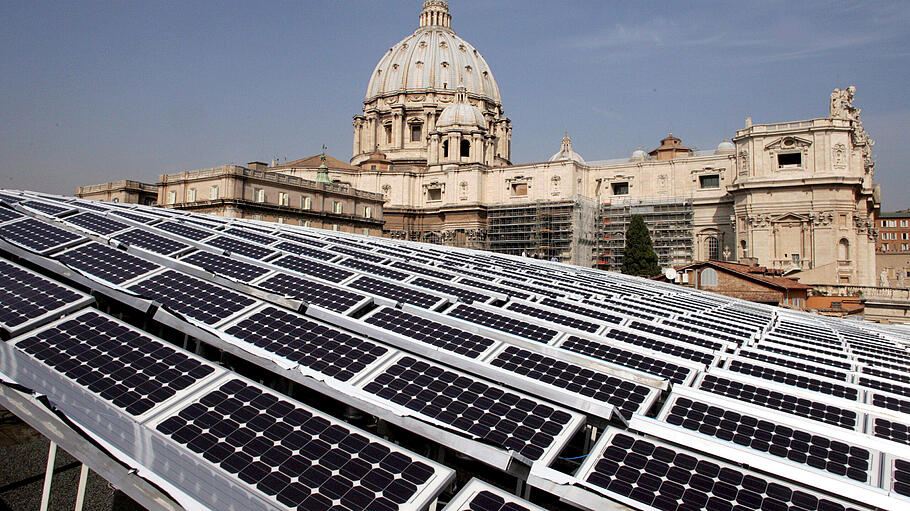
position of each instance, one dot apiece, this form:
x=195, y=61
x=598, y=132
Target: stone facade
x=794, y=196
x=125, y=191
x=240, y=192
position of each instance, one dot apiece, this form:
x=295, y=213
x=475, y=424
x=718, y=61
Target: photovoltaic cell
x=135, y=216
x=794, y=380
x=318, y=347
x=310, y=291
x=151, y=242
x=359, y=254
x=394, y=292
x=301, y=239
x=794, y=364
x=652, y=343
x=413, y=268
x=124, y=366
x=375, y=269
x=671, y=478
x=46, y=207
x=95, y=223
x=106, y=262
x=626, y=358
x=225, y=266
x=501, y=418
x=676, y=336
x=192, y=297
x=779, y=440
x=496, y=289
x=463, y=294
x=298, y=249
x=26, y=296
x=625, y=396
x=295, y=455
x=7, y=214
x=38, y=236
x=776, y=400
x=430, y=332
x=504, y=323
x=313, y=268
x=187, y=231
x=553, y=317
x=583, y=311
x=241, y=247
x=252, y=236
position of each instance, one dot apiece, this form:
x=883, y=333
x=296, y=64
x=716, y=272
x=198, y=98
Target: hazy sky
x=97, y=91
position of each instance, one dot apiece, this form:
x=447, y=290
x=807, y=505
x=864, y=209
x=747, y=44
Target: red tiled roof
x=769, y=276
x=314, y=161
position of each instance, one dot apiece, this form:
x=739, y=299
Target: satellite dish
x=671, y=274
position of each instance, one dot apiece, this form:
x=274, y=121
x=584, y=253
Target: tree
x=639, y=258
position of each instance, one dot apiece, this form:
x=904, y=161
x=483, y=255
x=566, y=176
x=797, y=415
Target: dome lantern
x=435, y=13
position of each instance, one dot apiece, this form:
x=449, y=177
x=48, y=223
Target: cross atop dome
x=435, y=13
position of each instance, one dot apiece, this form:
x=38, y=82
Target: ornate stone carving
x=839, y=156
x=554, y=183
x=387, y=191
x=743, y=162
x=463, y=190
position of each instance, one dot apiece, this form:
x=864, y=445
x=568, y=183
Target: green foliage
x=639, y=258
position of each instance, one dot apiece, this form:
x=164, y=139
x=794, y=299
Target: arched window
x=709, y=277
x=465, y=148
x=843, y=250
x=742, y=245
x=445, y=149
x=713, y=248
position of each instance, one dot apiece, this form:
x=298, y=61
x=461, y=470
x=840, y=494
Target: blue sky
x=94, y=91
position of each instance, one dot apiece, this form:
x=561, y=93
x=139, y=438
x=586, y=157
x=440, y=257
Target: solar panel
x=463, y=294
x=504, y=323
x=359, y=254
x=779, y=400
x=429, y=332
x=375, y=269
x=10, y=198
x=302, y=239
x=322, y=348
x=136, y=217
x=793, y=364
x=642, y=471
x=96, y=224
x=122, y=365
x=192, y=297
x=152, y=242
x=653, y=343
x=553, y=317
x=583, y=311
x=480, y=496
x=252, y=236
x=298, y=456
x=7, y=214
x=224, y=266
x=496, y=289
x=37, y=236
x=413, y=268
x=675, y=335
x=674, y=372
x=313, y=268
x=234, y=245
x=781, y=440
x=46, y=208
x=184, y=230
x=395, y=292
x=298, y=249
x=106, y=262
x=330, y=297
x=474, y=408
x=625, y=396
x=29, y=299
x=793, y=379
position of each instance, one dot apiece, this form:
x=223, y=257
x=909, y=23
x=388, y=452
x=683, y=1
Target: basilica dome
x=566, y=152
x=725, y=147
x=433, y=58
x=461, y=114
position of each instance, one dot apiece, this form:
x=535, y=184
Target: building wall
x=893, y=233
x=125, y=191
x=731, y=284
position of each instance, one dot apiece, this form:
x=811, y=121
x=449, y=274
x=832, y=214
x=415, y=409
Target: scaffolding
x=546, y=228
x=669, y=222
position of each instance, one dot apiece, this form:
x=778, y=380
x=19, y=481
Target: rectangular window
x=259, y=195
x=213, y=192
x=620, y=188
x=334, y=227
x=884, y=223
x=338, y=207
x=905, y=246
x=306, y=203
x=885, y=247
x=892, y=223
x=306, y=223
x=366, y=231
x=172, y=197
x=709, y=181
x=257, y=217
x=283, y=199
x=388, y=134
x=905, y=236
x=519, y=189
x=281, y=220
x=786, y=160
x=434, y=194
x=367, y=212
x=903, y=223
x=191, y=195
x=416, y=131
x=843, y=220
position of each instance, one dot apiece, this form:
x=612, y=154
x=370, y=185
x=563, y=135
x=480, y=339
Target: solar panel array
x=707, y=401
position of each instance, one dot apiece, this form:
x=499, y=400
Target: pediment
x=789, y=217
x=788, y=142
